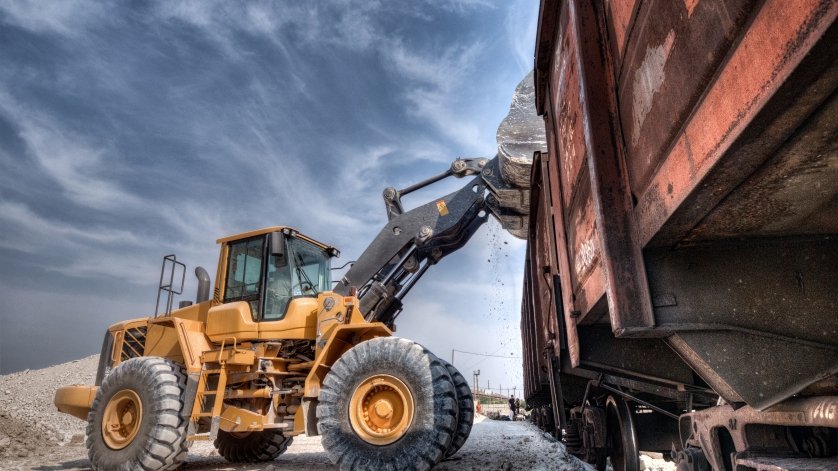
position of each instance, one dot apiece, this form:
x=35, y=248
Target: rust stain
x=690, y=4
x=703, y=40
x=769, y=52
x=647, y=82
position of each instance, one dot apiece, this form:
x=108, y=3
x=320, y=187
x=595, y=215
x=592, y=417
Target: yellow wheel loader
x=278, y=351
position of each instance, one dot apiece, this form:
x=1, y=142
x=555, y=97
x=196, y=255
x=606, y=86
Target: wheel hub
x=122, y=419
x=381, y=409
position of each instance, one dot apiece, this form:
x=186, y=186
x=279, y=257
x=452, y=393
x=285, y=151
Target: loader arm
x=412, y=241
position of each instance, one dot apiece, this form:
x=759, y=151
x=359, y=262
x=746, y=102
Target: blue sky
x=131, y=130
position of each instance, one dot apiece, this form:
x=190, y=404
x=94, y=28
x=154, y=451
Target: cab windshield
x=304, y=271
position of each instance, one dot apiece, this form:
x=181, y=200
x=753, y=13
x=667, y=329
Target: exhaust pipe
x=203, y=284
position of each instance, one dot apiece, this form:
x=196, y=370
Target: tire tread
x=166, y=445
x=425, y=448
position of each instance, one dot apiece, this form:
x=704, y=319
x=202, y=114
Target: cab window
x=244, y=273
x=277, y=288
x=304, y=271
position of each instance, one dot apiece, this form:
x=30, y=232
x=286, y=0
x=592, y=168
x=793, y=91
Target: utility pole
x=476, y=391
x=452, y=357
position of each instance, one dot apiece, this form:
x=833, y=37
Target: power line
x=485, y=355
x=481, y=361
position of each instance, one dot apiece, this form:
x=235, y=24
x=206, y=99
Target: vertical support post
x=629, y=302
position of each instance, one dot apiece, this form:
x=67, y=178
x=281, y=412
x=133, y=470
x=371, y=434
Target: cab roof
x=245, y=235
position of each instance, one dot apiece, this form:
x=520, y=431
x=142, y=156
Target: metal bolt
x=482, y=162
x=487, y=172
x=389, y=194
x=425, y=231
x=383, y=409
x=459, y=164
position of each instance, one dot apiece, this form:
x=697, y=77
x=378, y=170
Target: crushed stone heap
x=29, y=421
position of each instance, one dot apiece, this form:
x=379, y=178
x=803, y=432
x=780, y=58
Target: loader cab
x=271, y=268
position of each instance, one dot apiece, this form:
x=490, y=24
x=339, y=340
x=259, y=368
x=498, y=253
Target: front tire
x=387, y=403
x=135, y=422
x=251, y=447
x=465, y=407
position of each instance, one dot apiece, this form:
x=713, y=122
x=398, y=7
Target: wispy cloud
x=130, y=131
x=521, y=27
x=33, y=233
x=73, y=164
x=86, y=252
x=435, y=83
x=67, y=17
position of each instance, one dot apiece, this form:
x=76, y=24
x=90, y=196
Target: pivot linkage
x=412, y=241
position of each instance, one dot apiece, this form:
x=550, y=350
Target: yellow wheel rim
x=381, y=409
x=122, y=419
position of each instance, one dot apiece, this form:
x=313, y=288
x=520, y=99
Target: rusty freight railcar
x=681, y=288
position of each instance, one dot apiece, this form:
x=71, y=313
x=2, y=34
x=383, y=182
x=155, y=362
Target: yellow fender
x=177, y=339
x=340, y=339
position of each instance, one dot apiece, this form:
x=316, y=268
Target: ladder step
x=215, y=396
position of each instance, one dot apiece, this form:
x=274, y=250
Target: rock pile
x=29, y=421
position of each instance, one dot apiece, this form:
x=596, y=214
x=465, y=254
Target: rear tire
x=465, y=408
x=253, y=447
x=140, y=402
x=419, y=444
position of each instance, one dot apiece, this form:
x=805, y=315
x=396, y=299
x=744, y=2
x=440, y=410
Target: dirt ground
x=35, y=436
x=492, y=445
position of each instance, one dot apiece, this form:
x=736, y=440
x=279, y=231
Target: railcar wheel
x=622, y=436
x=387, y=403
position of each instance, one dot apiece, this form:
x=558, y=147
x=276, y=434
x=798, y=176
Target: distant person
x=512, y=408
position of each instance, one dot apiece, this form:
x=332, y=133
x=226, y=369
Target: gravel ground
x=34, y=435
x=30, y=425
